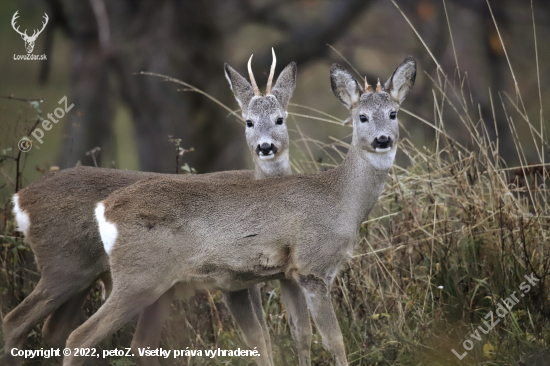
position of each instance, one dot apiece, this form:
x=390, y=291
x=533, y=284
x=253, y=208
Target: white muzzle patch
x=269, y=156
x=382, y=158
x=383, y=150
x=107, y=230
x=22, y=220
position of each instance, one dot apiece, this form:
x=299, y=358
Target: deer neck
x=277, y=167
x=360, y=179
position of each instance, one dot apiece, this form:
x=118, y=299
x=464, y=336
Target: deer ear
x=285, y=85
x=344, y=86
x=402, y=80
x=240, y=86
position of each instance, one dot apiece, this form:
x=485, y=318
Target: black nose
x=382, y=142
x=266, y=149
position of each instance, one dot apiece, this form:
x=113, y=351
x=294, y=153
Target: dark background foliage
x=458, y=225
x=94, y=55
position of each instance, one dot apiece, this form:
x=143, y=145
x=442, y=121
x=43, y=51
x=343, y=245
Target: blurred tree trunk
x=175, y=38
x=181, y=39
x=90, y=94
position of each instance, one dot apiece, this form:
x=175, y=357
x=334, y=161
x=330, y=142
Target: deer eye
x=249, y=123
x=363, y=118
x=279, y=121
x=393, y=114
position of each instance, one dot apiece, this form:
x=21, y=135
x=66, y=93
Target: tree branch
x=305, y=42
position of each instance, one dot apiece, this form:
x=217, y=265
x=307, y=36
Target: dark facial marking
x=382, y=142
x=266, y=149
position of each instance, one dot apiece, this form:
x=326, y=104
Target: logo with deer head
x=29, y=40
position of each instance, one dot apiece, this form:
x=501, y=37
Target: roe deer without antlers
x=233, y=235
x=56, y=214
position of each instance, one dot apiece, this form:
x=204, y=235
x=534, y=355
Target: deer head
x=29, y=40
x=373, y=113
x=265, y=115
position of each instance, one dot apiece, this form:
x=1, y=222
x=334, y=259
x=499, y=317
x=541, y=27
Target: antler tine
x=252, y=80
x=368, y=88
x=43, y=25
x=378, y=86
x=13, y=19
x=271, y=73
x=46, y=18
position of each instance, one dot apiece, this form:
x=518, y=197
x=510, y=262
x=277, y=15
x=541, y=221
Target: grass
x=453, y=235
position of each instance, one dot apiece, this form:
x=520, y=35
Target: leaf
x=188, y=169
x=411, y=289
x=488, y=350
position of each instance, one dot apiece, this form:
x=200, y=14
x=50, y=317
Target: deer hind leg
x=149, y=327
x=317, y=294
x=61, y=322
x=48, y=295
x=240, y=305
x=300, y=325
x=126, y=301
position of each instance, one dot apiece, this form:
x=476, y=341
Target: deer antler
x=35, y=34
x=252, y=80
x=378, y=86
x=368, y=88
x=271, y=73
x=15, y=16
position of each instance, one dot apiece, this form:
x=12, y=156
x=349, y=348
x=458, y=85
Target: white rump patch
x=107, y=230
x=22, y=220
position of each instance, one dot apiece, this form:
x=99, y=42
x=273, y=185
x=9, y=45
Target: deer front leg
x=317, y=294
x=300, y=326
x=256, y=299
x=241, y=308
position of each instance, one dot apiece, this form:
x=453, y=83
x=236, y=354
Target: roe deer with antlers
x=231, y=236
x=56, y=214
